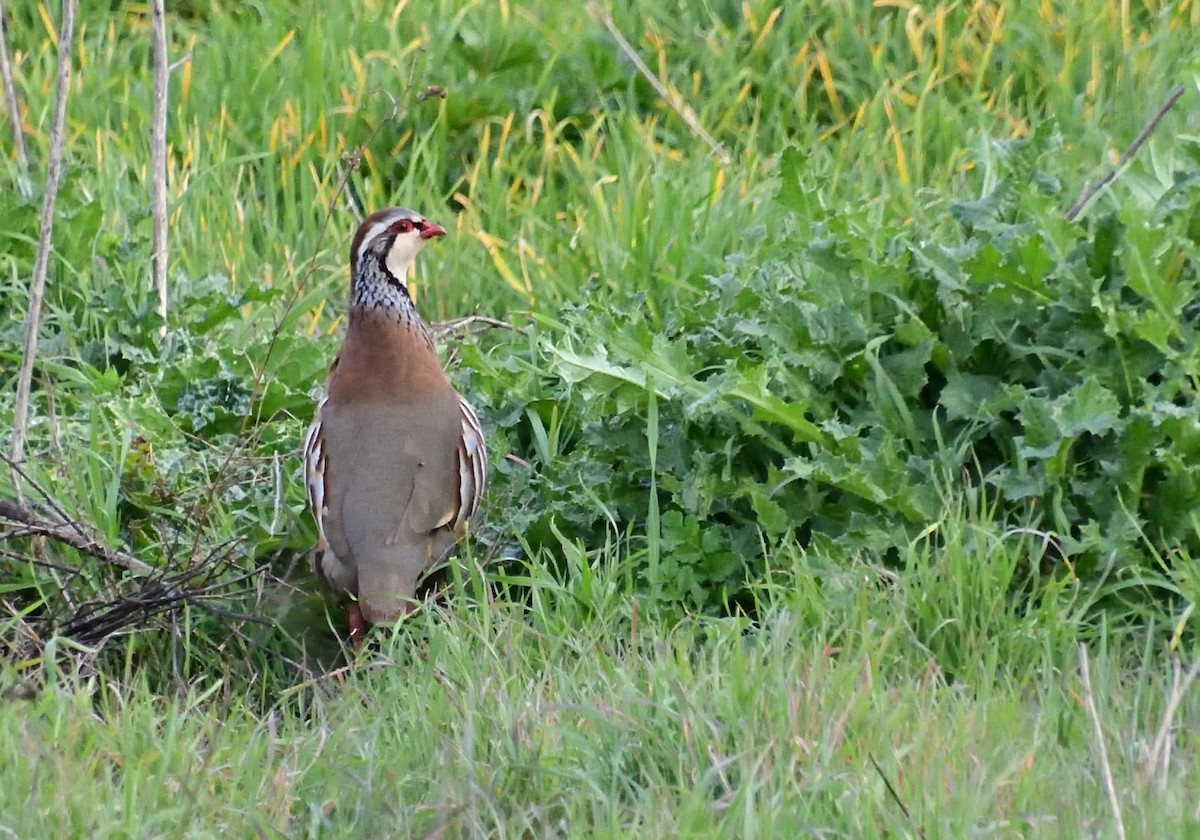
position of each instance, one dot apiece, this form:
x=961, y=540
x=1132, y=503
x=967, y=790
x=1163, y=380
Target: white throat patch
x=400, y=255
x=404, y=247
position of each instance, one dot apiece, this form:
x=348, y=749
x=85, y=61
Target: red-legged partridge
x=395, y=460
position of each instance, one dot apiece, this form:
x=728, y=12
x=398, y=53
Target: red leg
x=358, y=625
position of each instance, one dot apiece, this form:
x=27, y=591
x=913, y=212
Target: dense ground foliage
x=824, y=454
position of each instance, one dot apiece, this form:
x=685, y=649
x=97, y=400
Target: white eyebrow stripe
x=376, y=229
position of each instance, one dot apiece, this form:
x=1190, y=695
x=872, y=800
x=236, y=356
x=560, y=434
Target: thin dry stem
x=10, y=97
x=70, y=534
x=1105, y=768
x=895, y=795
x=1151, y=124
x=158, y=157
x=62, y=528
x=1159, y=759
x=179, y=62
x=469, y=324
x=669, y=96
x=37, y=285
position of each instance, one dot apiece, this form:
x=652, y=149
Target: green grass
x=573, y=718
x=837, y=452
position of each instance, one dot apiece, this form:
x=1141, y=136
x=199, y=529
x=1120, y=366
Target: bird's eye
x=402, y=226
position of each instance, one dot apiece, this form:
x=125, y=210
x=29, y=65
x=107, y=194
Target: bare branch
x=179, y=62
x=1150, y=125
x=469, y=324
x=672, y=98
x=37, y=285
x=70, y=534
x=158, y=157
x=10, y=97
x=19, y=471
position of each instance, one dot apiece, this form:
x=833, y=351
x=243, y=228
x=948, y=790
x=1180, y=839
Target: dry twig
x=1151, y=124
x=895, y=795
x=10, y=97
x=202, y=583
x=37, y=285
x=470, y=324
x=158, y=157
x=1160, y=753
x=70, y=534
x=672, y=98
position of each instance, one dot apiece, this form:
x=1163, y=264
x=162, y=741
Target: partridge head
x=394, y=460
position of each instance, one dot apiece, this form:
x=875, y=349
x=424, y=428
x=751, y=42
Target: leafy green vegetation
x=825, y=460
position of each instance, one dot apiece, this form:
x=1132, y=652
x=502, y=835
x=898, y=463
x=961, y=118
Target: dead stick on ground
x=158, y=158
x=37, y=488
x=1105, y=768
x=69, y=534
x=672, y=98
x=65, y=530
x=1150, y=125
x=10, y=97
x=37, y=285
